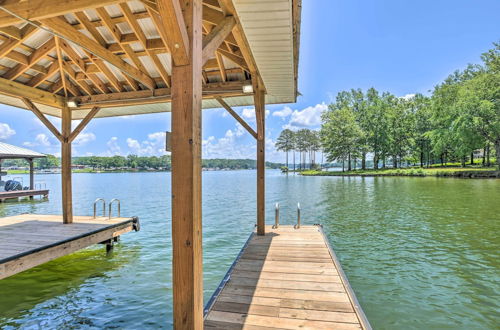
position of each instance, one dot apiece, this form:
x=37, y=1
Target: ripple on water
x=420, y=253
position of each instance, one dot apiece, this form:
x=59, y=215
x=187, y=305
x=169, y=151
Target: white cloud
x=5, y=131
x=153, y=146
x=113, y=147
x=83, y=138
x=249, y=113
x=40, y=140
x=308, y=117
x=408, y=97
x=285, y=112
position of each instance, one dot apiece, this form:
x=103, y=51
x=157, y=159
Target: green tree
x=285, y=142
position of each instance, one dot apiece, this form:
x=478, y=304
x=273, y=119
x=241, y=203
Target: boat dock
x=288, y=279
x=44, y=193
x=29, y=240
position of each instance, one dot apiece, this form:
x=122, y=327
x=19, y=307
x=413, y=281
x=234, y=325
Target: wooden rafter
x=36, y=56
x=143, y=40
x=42, y=118
x=235, y=116
x=60, y=62
x=238, y=60
x=64, y=29
x=40, y=78
x=83, y=123
x=40, y=9
x=220, y=62
x=12, y=43
x=171, y=16
x=19, y=90
x=214, y=39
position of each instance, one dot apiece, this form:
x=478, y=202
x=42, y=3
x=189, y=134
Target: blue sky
x=400, y=46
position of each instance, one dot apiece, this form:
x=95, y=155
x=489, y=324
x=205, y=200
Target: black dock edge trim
x=365, y=324
x=226, y=279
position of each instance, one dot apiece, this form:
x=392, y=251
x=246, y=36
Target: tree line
x=305, y=142
x=461, y=116
x=135, y=162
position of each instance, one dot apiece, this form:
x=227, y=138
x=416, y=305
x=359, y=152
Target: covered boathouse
x=86, y=59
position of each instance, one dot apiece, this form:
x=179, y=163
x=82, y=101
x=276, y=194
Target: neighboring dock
x=288, y=279
x=44, y=193
x=29, y=240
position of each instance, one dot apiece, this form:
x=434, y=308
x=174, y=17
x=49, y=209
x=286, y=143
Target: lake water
x=420, y=253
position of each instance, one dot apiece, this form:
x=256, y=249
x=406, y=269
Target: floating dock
x=288, y=279
x=29, y=240
x=23, y=193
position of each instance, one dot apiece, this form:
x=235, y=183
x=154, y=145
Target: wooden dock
x=29, y=240
x=23, y=193
x=288, y=279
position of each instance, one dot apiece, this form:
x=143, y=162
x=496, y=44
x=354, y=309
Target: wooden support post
x=260, y=115
x=186, y=176
x=67, y=198
x=32, y=175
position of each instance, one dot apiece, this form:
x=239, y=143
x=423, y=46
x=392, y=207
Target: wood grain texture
x=284, y=287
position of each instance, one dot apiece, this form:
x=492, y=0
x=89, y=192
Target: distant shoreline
x=38, y=172
x=465, y=173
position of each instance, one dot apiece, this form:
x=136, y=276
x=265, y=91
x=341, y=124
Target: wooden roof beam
x=216, y=37
x=42, y=118
x=235, y=116
x=36, y=56
x=42, y=9
x=62, y=28
x=19, y=90
x=174, y=31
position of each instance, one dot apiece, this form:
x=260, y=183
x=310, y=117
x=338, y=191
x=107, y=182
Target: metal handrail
x=111, y=204
x=297, y=226
x=103, y=207
x=39, y=185
x=277, y=216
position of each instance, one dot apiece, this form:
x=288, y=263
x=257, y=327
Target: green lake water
x=420, y=253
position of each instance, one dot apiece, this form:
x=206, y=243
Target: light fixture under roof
x=72, y=104
x=247, y=89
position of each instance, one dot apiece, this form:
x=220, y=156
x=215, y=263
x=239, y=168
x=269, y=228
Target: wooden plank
x=39, y=9
x=45, y=252
x=287, y=279
x=34, y=94
x=186, y=165
x=23, y=193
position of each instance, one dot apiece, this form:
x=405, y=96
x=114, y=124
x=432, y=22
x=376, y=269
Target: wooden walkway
x=29, y=240
x=23, y=193
x=288, y=279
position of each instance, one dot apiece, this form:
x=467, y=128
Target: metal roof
x=8, y=151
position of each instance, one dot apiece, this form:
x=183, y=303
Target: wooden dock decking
x=288, y=279
x=29, y=240
x=23, y=193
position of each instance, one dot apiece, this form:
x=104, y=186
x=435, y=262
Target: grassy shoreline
x=457, y=172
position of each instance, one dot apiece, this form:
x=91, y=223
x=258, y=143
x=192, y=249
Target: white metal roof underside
x=10, y=151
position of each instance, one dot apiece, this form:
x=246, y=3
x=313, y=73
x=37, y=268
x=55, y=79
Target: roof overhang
x=113, y=54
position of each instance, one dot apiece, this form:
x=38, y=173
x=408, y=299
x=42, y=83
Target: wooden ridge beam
x=175, y=33
x=19, y=90
x=235, y=116
x=83, y=123
x=65, y=30
x=216, y=37
x=41, y=9
x=43, y=119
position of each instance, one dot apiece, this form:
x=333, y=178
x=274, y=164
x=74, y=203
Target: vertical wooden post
x=32, y=175
x=186, y=177
x=67, y=198
x=260, y=114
